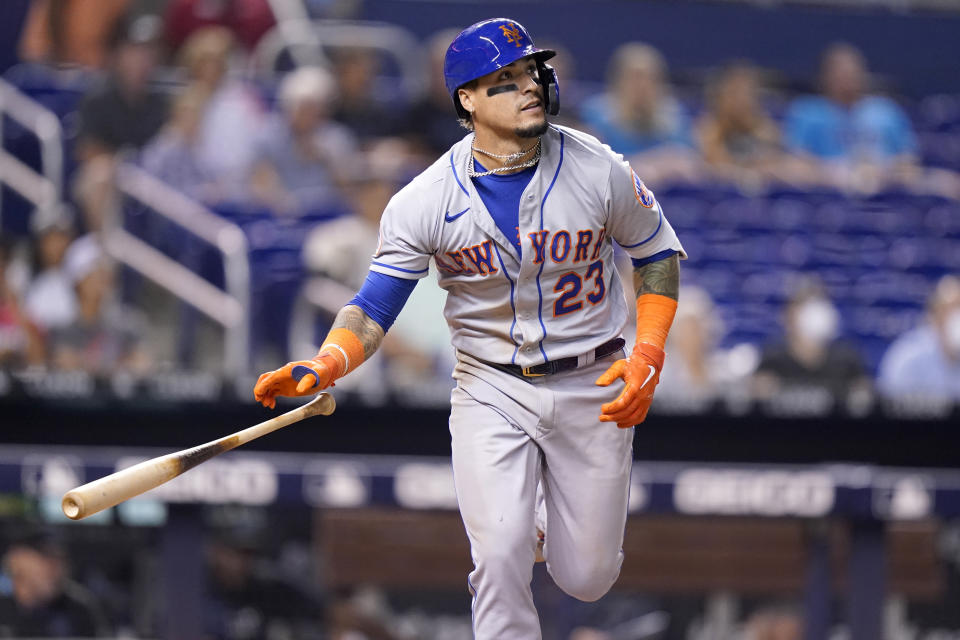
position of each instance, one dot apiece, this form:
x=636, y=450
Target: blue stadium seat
x=58, y=89
x=796, y=250
x=940, y=149
x=738, y=213
x=939, y=112
x=833, y=249
x=943, y=220
x=685, y=212
x=790, y=213
x=890, y=286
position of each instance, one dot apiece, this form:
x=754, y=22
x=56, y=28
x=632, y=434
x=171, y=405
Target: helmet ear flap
x=551, y=88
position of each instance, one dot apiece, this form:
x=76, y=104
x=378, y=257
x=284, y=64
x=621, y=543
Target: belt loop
x=586, y=359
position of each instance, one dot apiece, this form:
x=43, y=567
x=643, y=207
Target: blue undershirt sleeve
x=382, y=297
x=639, y=262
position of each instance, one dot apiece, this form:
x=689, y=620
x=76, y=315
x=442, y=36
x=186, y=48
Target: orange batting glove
x=641, y=373
x=341, y=352
x=299, y=378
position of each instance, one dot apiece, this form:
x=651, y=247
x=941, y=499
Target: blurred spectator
x=587, y=633
x=341, y=248
x=693, y=341
x=303, y=157
x=926, y=360
x=70, y=31
x=360, y=104
x=417, y=347
x=19, y=338
x=43, y=602
x=572, y=92
x=124, y=111
x=848, y=125
x=231, y=113
x=810, y=360
x=94, y=192
x=249, y=602
x=773, y=624
x=698, y=371
x=105, y=336
x=736, y=136
x=432, y=125
x=174, y=155
x=363, y=613
x=248, y=20
x=49, y=299
x=637, y=113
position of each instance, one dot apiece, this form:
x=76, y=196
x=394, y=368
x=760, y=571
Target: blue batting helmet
x=486, y=46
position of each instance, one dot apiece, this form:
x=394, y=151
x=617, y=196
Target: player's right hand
x=298, y=378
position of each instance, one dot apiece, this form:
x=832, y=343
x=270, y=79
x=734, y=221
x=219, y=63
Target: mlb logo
x=644, y=195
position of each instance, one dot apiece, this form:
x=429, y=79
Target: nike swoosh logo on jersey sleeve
x=451, y=218
x=653, y=371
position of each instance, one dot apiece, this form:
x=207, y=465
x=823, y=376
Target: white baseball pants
x=508, y=434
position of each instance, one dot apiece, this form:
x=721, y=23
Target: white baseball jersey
x=562, y=297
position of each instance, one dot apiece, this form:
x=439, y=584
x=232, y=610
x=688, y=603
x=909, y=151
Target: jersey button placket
x=527, y=317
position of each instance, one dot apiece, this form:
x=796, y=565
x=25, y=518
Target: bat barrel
x=115, y=488
x=72, y=505
x=130, y=482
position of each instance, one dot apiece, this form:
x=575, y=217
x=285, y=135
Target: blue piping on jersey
x=388, y=266
x=655, y=231
x=455, y=177
x=516, y=347
x=539, y=290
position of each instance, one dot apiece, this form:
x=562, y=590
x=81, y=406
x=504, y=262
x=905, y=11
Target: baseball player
x=519, y=218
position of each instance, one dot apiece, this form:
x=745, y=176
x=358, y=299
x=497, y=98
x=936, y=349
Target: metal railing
x=40, y=189
x=229, y=308
x=294, y=26
x=306, y=41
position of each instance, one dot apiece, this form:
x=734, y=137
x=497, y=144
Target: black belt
x=556, y=366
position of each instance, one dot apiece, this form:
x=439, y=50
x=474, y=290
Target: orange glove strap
x=654, y=317
x=345, y=347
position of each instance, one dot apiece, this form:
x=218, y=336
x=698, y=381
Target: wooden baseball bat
x=113, y=489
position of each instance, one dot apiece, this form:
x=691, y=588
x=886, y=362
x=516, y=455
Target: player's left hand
x=641, y=373
x=299, y=378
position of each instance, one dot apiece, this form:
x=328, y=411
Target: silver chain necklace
x=507, y=157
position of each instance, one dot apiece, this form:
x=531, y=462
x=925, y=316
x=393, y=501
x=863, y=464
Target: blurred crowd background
x=190, y=190
x=820, y=208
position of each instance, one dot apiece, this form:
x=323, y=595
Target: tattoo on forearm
x=363, y=326
x=661, y=277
